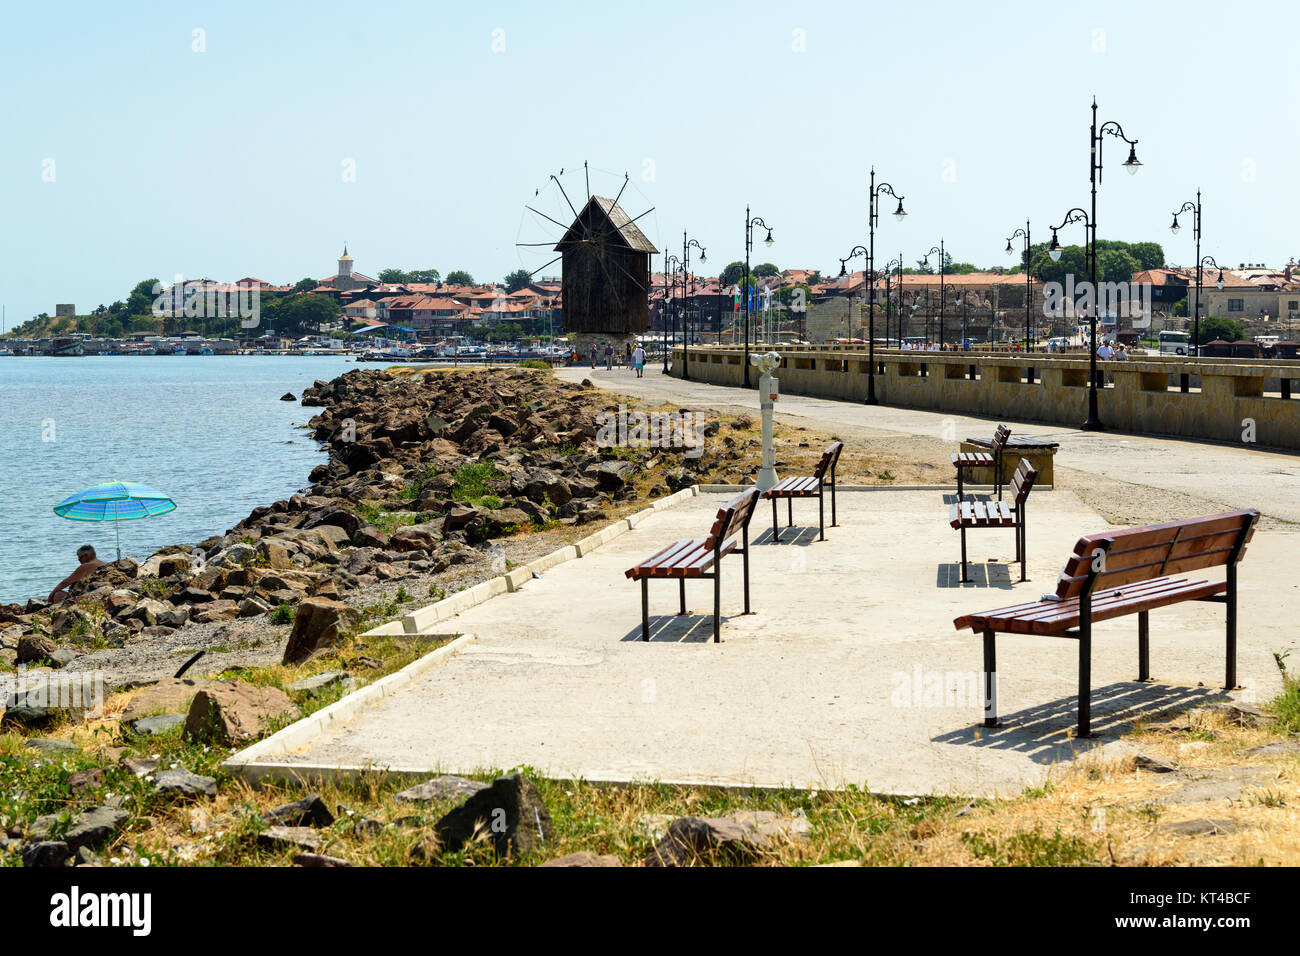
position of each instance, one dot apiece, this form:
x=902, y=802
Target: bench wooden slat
x=1054, y=619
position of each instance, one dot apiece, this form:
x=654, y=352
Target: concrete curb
x=301, y=731
x=420, y=620
x=312, y=774
x=248, y=763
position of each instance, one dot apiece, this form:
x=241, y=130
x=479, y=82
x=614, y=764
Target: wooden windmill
x=606, y=268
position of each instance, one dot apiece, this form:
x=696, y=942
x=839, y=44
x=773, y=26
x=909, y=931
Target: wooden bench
x=701, y=558
x=966, y=460
x=996, y=514
x=1116, y=573
x=808, y=487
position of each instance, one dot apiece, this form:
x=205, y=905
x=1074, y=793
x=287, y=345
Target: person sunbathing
x=88, y=566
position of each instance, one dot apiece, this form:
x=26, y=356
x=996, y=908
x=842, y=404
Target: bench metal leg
x=1230, y=606
x=1020, y=545
x=681, y=592
x=1144, y=646
x=1085, y=671
x=789, y=512
x=745, y=555
x=717, y=603
x=964, y=579
x=990, y=680
x=821, y=515
x=834, y=521
x=959, y=492
x=776, y=528
x=645, y=609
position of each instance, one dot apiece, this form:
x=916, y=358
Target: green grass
x=1030, y=848
x=1286, y=705
x=284, y=614
x=535, y=363
x=470, y=484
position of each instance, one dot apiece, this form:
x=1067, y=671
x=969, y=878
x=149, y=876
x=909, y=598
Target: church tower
x=345, y=264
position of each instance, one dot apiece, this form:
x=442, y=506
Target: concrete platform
x=849, y=671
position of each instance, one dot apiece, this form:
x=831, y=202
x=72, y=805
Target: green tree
x=304, y=285
x=517, y=280
x=140, y=301
x=427, y=276
x=1115, y=265
x=301, y=312
x=765, y=269
x=1215, y=327
x=732, y=273
x=1149, y=255
x=393, y=276
x=459, y=277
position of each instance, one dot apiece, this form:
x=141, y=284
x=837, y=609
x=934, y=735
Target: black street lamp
x=686, y=266
x=889, y=270
x=873, y=216
x=749, y=244
x=1200, y=263
x=665, y=311
x=1093, y=422
x=672, y=265
x=1195, y=209
x=1029, y=280
x=1131, y=164
x=925, y=262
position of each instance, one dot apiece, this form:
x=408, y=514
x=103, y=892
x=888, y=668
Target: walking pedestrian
x=609, y=356
x=638, y=359
x=593, y=354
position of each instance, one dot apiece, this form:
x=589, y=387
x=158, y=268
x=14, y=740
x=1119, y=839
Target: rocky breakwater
x=424, y=470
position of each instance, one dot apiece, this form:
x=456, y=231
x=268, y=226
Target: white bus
x=1175, y=343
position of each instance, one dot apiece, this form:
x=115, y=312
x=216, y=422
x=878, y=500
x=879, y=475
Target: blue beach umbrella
x=115, y=501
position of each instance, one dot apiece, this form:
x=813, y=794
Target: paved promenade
x=850, y=670
x=1227, y=475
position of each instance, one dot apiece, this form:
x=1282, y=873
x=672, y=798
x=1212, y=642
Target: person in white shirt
x=1105, y=352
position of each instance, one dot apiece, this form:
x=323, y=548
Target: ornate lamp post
x=1131, y=164
x=749, y=244
x=889, y=270
x=686, y=266
x=1195, y=209
x=1029, y=279
x=873, y=216
x=665, y=311
x=925, y=261
x=672, y=265
x=1200, y=263
x=1093, y=422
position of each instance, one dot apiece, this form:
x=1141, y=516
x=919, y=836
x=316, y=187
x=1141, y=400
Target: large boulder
x=689, y=838
x=510, y=812
x=234, y=712
x=611, y=475
x=219, y=610
x=33, y=648
x=146, y=611
x=319, y=624
x=542, y=485
x=415, y=537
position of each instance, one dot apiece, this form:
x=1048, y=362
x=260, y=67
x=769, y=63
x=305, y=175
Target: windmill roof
x=623, y=225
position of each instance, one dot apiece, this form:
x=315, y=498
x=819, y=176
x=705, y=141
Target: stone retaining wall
x=1226, y=400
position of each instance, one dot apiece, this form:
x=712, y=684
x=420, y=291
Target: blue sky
x=230, y=161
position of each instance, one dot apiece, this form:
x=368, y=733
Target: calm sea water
x=210, y=431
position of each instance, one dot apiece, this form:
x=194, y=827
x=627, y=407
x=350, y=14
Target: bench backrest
x=1000, y=436
x=1141, y=554
x=830, y=458
x=733, y=518
x=1023, y=481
